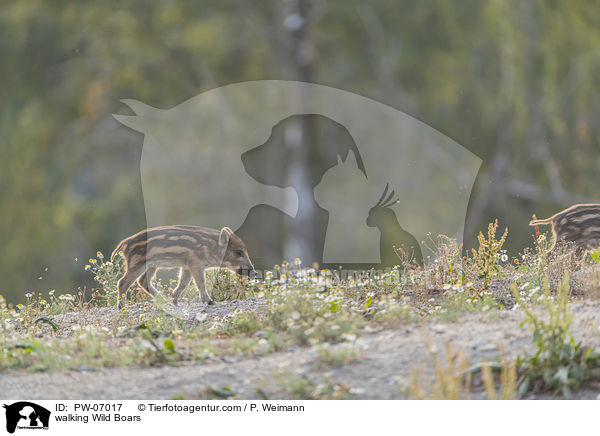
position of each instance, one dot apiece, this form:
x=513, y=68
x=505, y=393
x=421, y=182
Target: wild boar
x=192, y=249
x=578, y=225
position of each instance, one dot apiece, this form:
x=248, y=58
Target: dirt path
x=381, y=370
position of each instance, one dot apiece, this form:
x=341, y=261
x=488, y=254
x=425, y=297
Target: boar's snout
x=247, y=270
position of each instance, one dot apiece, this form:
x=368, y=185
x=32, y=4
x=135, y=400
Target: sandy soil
x=381, y=371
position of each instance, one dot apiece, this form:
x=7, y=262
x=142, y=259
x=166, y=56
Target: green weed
x=560, y=364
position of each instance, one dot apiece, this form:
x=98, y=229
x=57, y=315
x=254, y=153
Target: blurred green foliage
x=515, y=82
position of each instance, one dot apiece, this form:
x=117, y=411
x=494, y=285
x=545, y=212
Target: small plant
x=106, y=274
x=594, y=256
x=489, y=255
x=457, y=304
x=338, y=355
x=223, y=284
x=301, y=388
x=448, y=265
x=245, y=323
x=507, y=379
x=394, y=312
x=452, y=381
x=560, y=364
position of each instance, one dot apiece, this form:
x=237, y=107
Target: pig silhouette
x=199, y=164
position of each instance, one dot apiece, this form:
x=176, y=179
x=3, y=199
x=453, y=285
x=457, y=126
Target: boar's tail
x=540, y=222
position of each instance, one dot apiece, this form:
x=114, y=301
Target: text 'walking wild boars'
x=578, y=225
x=193, y=249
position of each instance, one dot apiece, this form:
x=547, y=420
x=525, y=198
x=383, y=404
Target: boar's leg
x=198, y=275
x=185, y=276
x=132, y=272
x=145, y=281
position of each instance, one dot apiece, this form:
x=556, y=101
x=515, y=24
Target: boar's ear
x=224, y=237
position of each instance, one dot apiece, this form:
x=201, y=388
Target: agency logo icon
x=26, y=415
x=300, y=170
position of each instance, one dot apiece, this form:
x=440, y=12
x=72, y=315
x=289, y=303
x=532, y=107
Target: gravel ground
x=381, y=371
x=191, y=311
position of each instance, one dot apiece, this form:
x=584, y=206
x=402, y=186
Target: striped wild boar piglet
x=578, y=226
x=192, y=249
